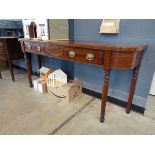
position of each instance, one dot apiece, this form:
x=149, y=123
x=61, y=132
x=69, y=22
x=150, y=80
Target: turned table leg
x=28, y=67
x=132, y=88
x=11, y=69
x=104, y=94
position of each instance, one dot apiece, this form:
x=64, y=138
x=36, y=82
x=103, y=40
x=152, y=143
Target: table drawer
x=83, y=55
x=54, y=50
x=38, y=48
x=125, y=60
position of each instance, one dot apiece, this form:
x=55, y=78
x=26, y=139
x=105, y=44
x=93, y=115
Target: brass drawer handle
x=28, y=47
x=38, y=48
x=89, y=56
x=72, y=54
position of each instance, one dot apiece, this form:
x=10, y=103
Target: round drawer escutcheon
x=89, y=56
x=38, y=48
x=28, y=47
x=72, y=54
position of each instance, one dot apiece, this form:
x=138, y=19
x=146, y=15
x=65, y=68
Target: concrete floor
x=24, y=111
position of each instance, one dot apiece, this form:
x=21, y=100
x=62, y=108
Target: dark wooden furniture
x=10, y=49
x=32, y=30
x=109, y=56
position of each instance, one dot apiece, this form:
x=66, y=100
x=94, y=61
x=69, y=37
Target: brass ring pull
x=72, y=54
x=89, y=56
x=29, y=46
x=38, y=48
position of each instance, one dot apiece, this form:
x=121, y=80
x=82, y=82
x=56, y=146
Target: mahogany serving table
x=109, y=56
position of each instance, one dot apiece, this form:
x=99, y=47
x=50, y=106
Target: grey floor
x=24, y=111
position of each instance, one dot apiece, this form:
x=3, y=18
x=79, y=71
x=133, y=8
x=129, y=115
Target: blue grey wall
x=131, y=31
x=136, y=31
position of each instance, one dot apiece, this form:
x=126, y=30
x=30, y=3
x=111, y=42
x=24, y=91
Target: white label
x=108, y=24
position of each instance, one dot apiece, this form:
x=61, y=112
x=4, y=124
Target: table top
x=131, y=47
x=8, y=37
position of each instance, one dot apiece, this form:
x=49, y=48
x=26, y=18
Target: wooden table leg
x=0, y=75
x=28, y=67
x=104, y=94
x=132, y=88
x=11, y=69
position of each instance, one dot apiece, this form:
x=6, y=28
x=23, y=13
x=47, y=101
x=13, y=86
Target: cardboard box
x=35, y=84
x=40, y=85
x=44, y=72
x=68, y=91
